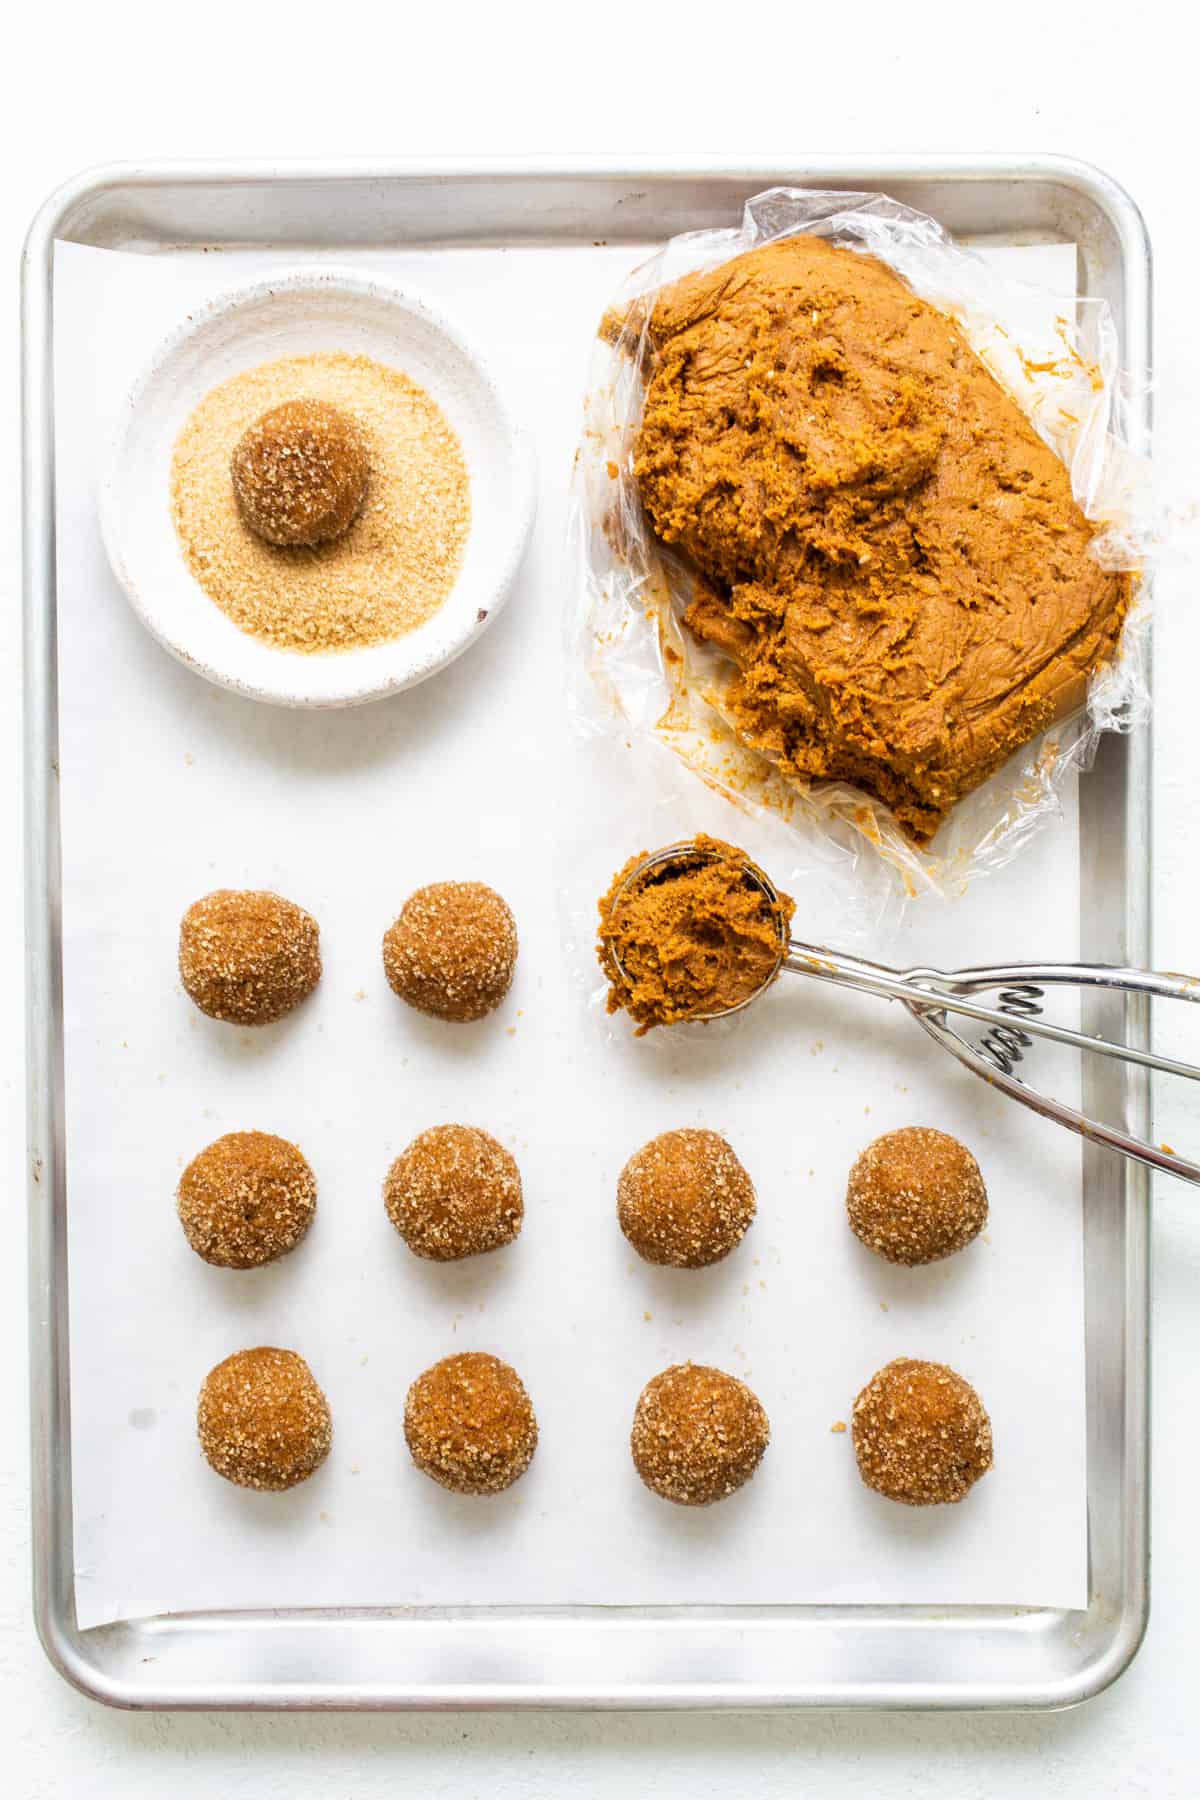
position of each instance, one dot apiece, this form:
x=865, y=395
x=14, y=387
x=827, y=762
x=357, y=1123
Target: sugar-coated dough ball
x=246, y=1199
x=454, y=1192
x=920, y=1433
x=262, y=1420
x=698, y=1434
x=469, y=1424
x=300, y=473
x=452, y=951
x=916, y=1195
x=684, y=1199
x=248, y=957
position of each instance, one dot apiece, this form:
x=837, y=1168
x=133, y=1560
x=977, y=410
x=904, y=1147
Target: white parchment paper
x=171, y=787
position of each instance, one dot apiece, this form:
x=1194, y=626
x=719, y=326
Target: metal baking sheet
x=617, y=1656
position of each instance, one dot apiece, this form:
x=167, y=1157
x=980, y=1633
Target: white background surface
x=1112, y=87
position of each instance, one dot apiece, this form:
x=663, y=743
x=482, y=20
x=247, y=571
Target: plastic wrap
x=634, y=667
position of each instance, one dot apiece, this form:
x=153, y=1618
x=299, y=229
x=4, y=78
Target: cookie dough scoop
x=697, y=930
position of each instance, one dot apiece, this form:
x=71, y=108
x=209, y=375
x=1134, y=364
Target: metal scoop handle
x=930, y=994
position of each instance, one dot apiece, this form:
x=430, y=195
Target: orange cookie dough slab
x=884, y=545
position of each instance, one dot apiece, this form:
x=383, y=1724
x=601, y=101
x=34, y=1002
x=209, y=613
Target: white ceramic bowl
x=292, y=314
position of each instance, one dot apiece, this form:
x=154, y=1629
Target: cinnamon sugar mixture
x=395, y=565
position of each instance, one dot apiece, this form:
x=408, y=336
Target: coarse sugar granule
x=395, y=565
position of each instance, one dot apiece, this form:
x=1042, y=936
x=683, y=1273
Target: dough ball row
x=249, y=957
x=249, y=1197
x=914, y=1196
x=920, y=1432
x=684, y=1199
